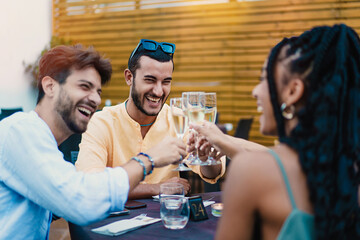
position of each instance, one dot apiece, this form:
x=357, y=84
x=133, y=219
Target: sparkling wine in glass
x=196, y=114
x=194, y=107
x=210, y=115
x=180, y=122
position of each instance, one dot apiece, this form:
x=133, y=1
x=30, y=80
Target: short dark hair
x=158, y=55
x=58, y=62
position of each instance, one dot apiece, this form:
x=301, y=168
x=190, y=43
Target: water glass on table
x=174, y=206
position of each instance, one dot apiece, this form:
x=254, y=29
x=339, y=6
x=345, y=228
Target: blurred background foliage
x=33, y=68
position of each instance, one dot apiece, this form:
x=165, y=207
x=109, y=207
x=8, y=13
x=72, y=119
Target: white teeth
x=260, y=109
x=153, y=99
x=87, y=111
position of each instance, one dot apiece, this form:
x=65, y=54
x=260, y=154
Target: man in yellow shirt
x=117, y=133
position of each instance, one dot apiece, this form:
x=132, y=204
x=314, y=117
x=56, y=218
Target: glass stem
x=196, y=148
x=180, y=136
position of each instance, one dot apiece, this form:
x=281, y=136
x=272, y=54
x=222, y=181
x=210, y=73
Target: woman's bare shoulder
x=250, y=167
x=253, y=161
x=254, y=172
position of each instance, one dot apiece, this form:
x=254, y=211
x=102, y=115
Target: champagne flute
x=193, y=105
x=191, y=156
x=210, y=115
x=180, y=121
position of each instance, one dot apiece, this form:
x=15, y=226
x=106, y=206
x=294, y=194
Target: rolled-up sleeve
x=32, y=166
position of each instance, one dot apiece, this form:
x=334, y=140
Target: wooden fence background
x=220, y=44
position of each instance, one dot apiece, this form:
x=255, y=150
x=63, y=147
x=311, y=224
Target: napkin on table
x=126, y=225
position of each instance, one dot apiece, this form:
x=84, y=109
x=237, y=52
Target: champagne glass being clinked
x=210, y=115
x=181, y=122
x=194, y=108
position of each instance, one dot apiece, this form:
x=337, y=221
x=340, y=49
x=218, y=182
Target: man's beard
x=65, y=108
x=137, y=101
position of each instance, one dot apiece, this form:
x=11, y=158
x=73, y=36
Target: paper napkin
x=208, y=203
x=126, y=225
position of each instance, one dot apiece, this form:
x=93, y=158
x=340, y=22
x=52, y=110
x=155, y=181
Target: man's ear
x=128, y=77
x=49, y=84
x=293, y=92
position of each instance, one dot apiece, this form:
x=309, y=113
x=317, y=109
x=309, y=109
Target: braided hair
x=327, y=136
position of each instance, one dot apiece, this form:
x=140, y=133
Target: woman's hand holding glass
x=206, y=148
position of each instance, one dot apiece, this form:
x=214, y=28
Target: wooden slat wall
x=219, y=47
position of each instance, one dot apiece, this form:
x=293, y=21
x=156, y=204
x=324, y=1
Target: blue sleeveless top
x=299, y=225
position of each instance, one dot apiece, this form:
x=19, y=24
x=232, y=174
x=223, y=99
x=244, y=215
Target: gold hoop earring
x=287, y=114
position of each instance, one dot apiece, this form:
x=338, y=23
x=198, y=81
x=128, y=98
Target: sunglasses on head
x=151, y=45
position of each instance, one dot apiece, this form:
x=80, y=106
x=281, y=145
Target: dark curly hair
x=327, y=137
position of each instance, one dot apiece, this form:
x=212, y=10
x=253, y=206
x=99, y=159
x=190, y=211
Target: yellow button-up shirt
x=113, y=137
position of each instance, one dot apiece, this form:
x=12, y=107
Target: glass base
x=211, y=161
x=197, y=162
x=182, y=168
x=191, y=157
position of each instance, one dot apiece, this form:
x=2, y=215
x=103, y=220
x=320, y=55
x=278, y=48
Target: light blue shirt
x=35, y=180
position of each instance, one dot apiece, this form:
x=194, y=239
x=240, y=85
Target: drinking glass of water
x=174, y=206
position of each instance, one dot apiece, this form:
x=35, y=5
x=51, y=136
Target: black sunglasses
x=152, y=45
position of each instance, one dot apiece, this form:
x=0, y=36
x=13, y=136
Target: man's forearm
x=135, y=171
x=144, y=191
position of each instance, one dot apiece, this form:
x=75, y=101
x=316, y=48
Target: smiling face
x=264, y=106
x=289, y=88
x=78, y=98
x=151, y=86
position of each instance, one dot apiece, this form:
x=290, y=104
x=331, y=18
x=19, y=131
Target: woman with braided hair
x=306, y=187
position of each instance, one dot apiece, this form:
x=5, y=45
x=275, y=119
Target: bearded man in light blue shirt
x=35, y=181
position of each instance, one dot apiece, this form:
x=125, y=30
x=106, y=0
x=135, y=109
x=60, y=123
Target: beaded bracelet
x=150, y=159
x=142, y=164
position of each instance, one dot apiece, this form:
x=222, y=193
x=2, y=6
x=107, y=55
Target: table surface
x=204, y=229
